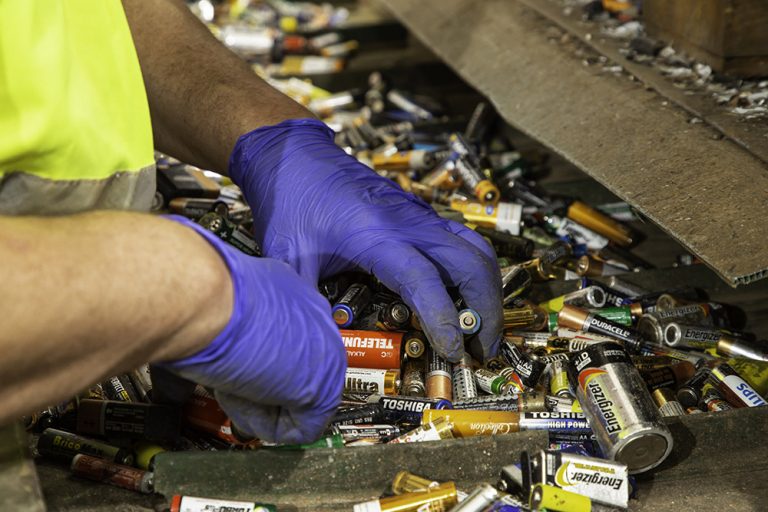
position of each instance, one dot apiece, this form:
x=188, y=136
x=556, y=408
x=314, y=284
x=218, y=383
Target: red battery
x=204, y=413
x=373, y=349
x=102, y=470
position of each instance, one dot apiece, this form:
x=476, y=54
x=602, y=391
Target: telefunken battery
x=734, y=388
x=373, y=349
x=101, y=470
x=529, y=370
x=371, y=381
x=623, y=415
x=464, y=387
x=406, y=408
x=351, y=304
x=62, y=445
x=194, y=504
x=602, y=481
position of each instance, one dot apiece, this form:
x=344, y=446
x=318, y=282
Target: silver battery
x=464, y=387
x=615, y=399
x=478, y=500
x=693, y=336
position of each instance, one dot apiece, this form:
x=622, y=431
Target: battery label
x=438, y=366
x=602, y=481
x=744, y=391
x=372, y=349
x=192, y=504
x=364, y=380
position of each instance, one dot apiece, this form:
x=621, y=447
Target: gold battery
x=415, y=344
x=442, y=178
x=436, y=430
x=468, y=423
x=406, y=481
x=487, y=193
x=441, y=498
x=600, y=223
x=439, y=381
x=528, y=317
x=549, y=497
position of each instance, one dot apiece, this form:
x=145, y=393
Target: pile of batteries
x=281, y=38
x=596, y=365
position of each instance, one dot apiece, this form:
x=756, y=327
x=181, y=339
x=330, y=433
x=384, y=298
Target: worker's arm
x=202, y=97
x=315, y=207
x=88, y=296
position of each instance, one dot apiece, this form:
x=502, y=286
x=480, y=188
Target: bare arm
x=88, y=296
x=202, y=96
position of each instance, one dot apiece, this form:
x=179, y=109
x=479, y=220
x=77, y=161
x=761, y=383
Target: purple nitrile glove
x=277, y=369
x=322, y=212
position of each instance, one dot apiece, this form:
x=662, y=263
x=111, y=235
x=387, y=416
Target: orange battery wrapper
x=372, y=349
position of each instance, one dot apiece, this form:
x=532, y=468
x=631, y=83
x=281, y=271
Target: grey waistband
x=27, y=194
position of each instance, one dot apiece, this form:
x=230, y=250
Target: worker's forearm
x=202, y=97
x=88, y=296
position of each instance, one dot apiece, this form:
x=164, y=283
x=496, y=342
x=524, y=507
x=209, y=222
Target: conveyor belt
x=707, y=191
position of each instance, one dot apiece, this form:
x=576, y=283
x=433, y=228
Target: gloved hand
x=277, y=369
x=322, y=212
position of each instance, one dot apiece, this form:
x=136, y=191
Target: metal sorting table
x=700, y=183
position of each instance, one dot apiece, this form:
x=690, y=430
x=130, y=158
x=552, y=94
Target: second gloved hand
x=277, y=369
x=322, y=212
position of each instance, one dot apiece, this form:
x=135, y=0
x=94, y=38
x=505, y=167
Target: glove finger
x=472, y=237
x=404, y=270
x=478, y=279
x=274, y=423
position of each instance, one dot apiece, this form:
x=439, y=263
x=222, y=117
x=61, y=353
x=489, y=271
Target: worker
x=92, y=287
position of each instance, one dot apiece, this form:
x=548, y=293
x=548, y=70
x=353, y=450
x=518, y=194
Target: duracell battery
x=129, y=420
x=668, y=376
x=373, y=349
x=582, y=320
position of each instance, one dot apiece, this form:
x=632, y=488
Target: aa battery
x=464, y=387
x=203, y=412
x=369, y=381
x=406, y=481
x=562, y=404
x=600, y=480
x=551, y=498
x=492, y=383
x=142, y=382
x=434, y=430
x=620, y=410
x=529, y=370
x=415, y=159
x=439, y=383
x=401, y=101
x=62, y=445
x=558, y=381
x=515, y=280
x=734, y=388
x=145, y=454
x=378, y=433
x=119, y=388
x=413, y=378
x=589, y=297
x=692, y=336
x=439, y=498
x=406, y=408
x=469, y=321
x=100, y=470
x=468, y=423
x=351, y=304
x=234, y=234
x=193, y=207
x=600, y=223
x=668, y=376
x=524, y=402
x=620, y=315
x=478, y=500
x=727, y=347
x=527, y=317
x=372, y=349
x=666, y=399
x=467, y=166
x=360, y=415
x=581, y=320
x=561, y=426
x=132, y=420
x=690, y=393
x=513, y=379
x=713, y=401
x=415, y=344
x=194, y=504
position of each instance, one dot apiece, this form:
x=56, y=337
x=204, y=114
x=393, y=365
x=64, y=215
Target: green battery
x=333, y=441
x=619, y=315
x=549, y=497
